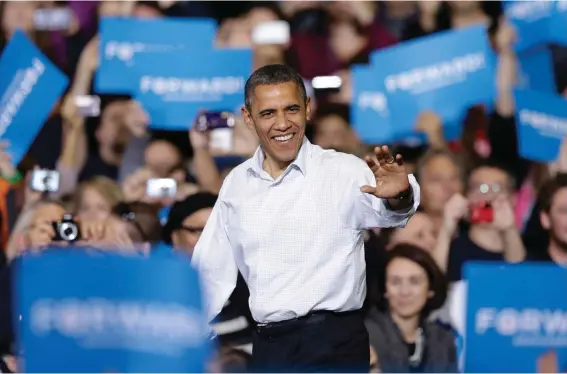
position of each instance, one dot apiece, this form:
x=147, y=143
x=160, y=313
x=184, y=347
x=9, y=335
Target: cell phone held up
x=45, y=181
x=68, y=230
x=481, y=213
x=161, y=188
x=209, y=121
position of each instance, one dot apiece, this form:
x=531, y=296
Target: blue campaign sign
x=447, y=72
x=174, y=88
x=537, y=22
x=124, y=40
x=515, y=313
x=541, y=120
x=536, y=70
x=109, y=312
x=30, y=85
x=370, y=115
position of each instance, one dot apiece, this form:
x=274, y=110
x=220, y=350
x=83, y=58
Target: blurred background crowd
x=105, y=162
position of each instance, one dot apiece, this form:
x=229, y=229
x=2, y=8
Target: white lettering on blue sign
x=198, y=86
x=103, y=322
x=546, y=123
x=530, y=326
x=435, y=76
x=20, y=88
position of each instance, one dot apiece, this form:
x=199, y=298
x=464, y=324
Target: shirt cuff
x=403, y=215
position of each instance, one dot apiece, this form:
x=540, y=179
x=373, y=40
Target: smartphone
x=481, y=213
x=208, y=121
x=329, y=83
x=88, y=106
x=161, y=188
x=54, y=19
x=45, y=181
x=272, y=32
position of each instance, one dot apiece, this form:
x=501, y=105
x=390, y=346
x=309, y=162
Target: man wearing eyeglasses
x=487, y=210
x=185, y=223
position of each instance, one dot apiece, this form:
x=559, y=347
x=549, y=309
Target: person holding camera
x=488, y=209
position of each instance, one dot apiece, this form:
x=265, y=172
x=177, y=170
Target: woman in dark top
x=411, y=286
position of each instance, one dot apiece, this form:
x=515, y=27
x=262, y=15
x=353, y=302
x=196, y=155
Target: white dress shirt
x=298, y=239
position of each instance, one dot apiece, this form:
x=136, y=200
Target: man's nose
x=282, y=123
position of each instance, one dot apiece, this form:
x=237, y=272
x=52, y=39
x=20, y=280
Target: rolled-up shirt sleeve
x=213, y=258
x=364, y=211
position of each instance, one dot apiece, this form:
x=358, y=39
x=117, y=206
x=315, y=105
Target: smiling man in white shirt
x=291, y=219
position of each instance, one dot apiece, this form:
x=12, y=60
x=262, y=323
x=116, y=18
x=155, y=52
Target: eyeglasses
x=485, y=188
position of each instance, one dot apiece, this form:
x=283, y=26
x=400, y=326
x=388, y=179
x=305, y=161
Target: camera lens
x=68, y=232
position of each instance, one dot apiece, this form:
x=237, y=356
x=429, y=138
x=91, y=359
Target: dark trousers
x=318, y=342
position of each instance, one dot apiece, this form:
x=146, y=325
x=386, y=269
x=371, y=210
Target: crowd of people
x=105, y=162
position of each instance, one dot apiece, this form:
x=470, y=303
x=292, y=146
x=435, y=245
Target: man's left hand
x=391, y=177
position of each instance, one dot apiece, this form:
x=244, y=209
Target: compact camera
x=161, y=188
x=67, y=230
x=45, y=181
x=481, y=213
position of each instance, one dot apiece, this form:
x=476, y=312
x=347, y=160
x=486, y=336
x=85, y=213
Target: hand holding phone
x=54, y=19
x=161, y=188
x=88, y=106
x=481, y=213
x=272, y=32
x=45, y=181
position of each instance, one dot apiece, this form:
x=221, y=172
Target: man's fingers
x=371, y=163
x=389, y=159
x=368, y=189
x=399, y=160
x=380, y=155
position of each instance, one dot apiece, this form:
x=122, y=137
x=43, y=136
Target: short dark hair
x=437, y=280
x=272, y=74
x=550, y=189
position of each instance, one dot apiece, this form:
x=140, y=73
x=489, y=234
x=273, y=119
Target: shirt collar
x=300, y=161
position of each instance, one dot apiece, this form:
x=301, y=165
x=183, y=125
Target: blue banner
x=175, y=88
x=541, y=120
x=91, y=311
x=124, y=40
x=30, y=86
x=370, y=115
x=447, y=72
x=511, y=321
x=536, y=71
x=537, y=22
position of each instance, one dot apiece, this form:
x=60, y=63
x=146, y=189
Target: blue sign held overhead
x=511, y=322
x=369, y=109
x=30, y=85
x=174, y=88
x=124, y=40
x=537, y=22
x=536, y=70
x=541, y=120
x=109, y=312
x=447, y=72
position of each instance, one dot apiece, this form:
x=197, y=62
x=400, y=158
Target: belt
x=284, y=327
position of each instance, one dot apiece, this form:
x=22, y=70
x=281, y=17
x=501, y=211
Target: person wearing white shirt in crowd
x=292, y=219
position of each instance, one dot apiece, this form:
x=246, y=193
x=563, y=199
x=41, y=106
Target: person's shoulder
x=439, y=334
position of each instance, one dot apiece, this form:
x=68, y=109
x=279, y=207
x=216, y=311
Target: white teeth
x=283, y=138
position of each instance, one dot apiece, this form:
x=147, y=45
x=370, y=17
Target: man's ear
x=308, y=108
x=545, y=220
x=247, y=117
